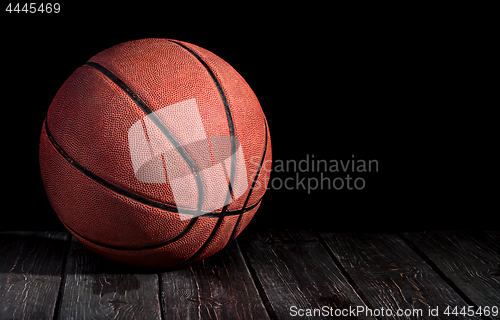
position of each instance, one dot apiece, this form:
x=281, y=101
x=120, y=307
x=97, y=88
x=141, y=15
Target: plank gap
x=30, y=273
x=440, y=273
x=392, y=275
x=220, y=286
x=67, y=246
x=96, y=288
x=344, y=272
x=295, y=272
x=468, y=258
x=258, y=284
x=160, y=297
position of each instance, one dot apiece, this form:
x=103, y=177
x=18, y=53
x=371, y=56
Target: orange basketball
x=151, y=153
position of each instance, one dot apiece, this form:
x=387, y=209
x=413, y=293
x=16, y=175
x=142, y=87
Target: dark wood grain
x=30, y=273
x=49, y=275
x=98, y=289
x=392, y=276
x=295, y=270
x=470, y=260
x=219, y=287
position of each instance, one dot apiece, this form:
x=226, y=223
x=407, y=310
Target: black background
x=408, y=91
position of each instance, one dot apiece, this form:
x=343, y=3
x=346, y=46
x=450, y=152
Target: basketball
x=151, y=153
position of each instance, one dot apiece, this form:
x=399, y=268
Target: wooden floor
x=272, y=274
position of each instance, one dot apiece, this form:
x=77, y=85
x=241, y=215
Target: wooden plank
x=297, y=276
x=30, y=273
x=219, y=287
x=98, y=289
x=495, y=235
x=470, y=260
x=393, y=277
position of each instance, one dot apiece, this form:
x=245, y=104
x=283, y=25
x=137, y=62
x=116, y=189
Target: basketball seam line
x=233, y=152
x=122, y=191
x=156, y=246
x=226, y=109
x=253, y=183
x=159, y=124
